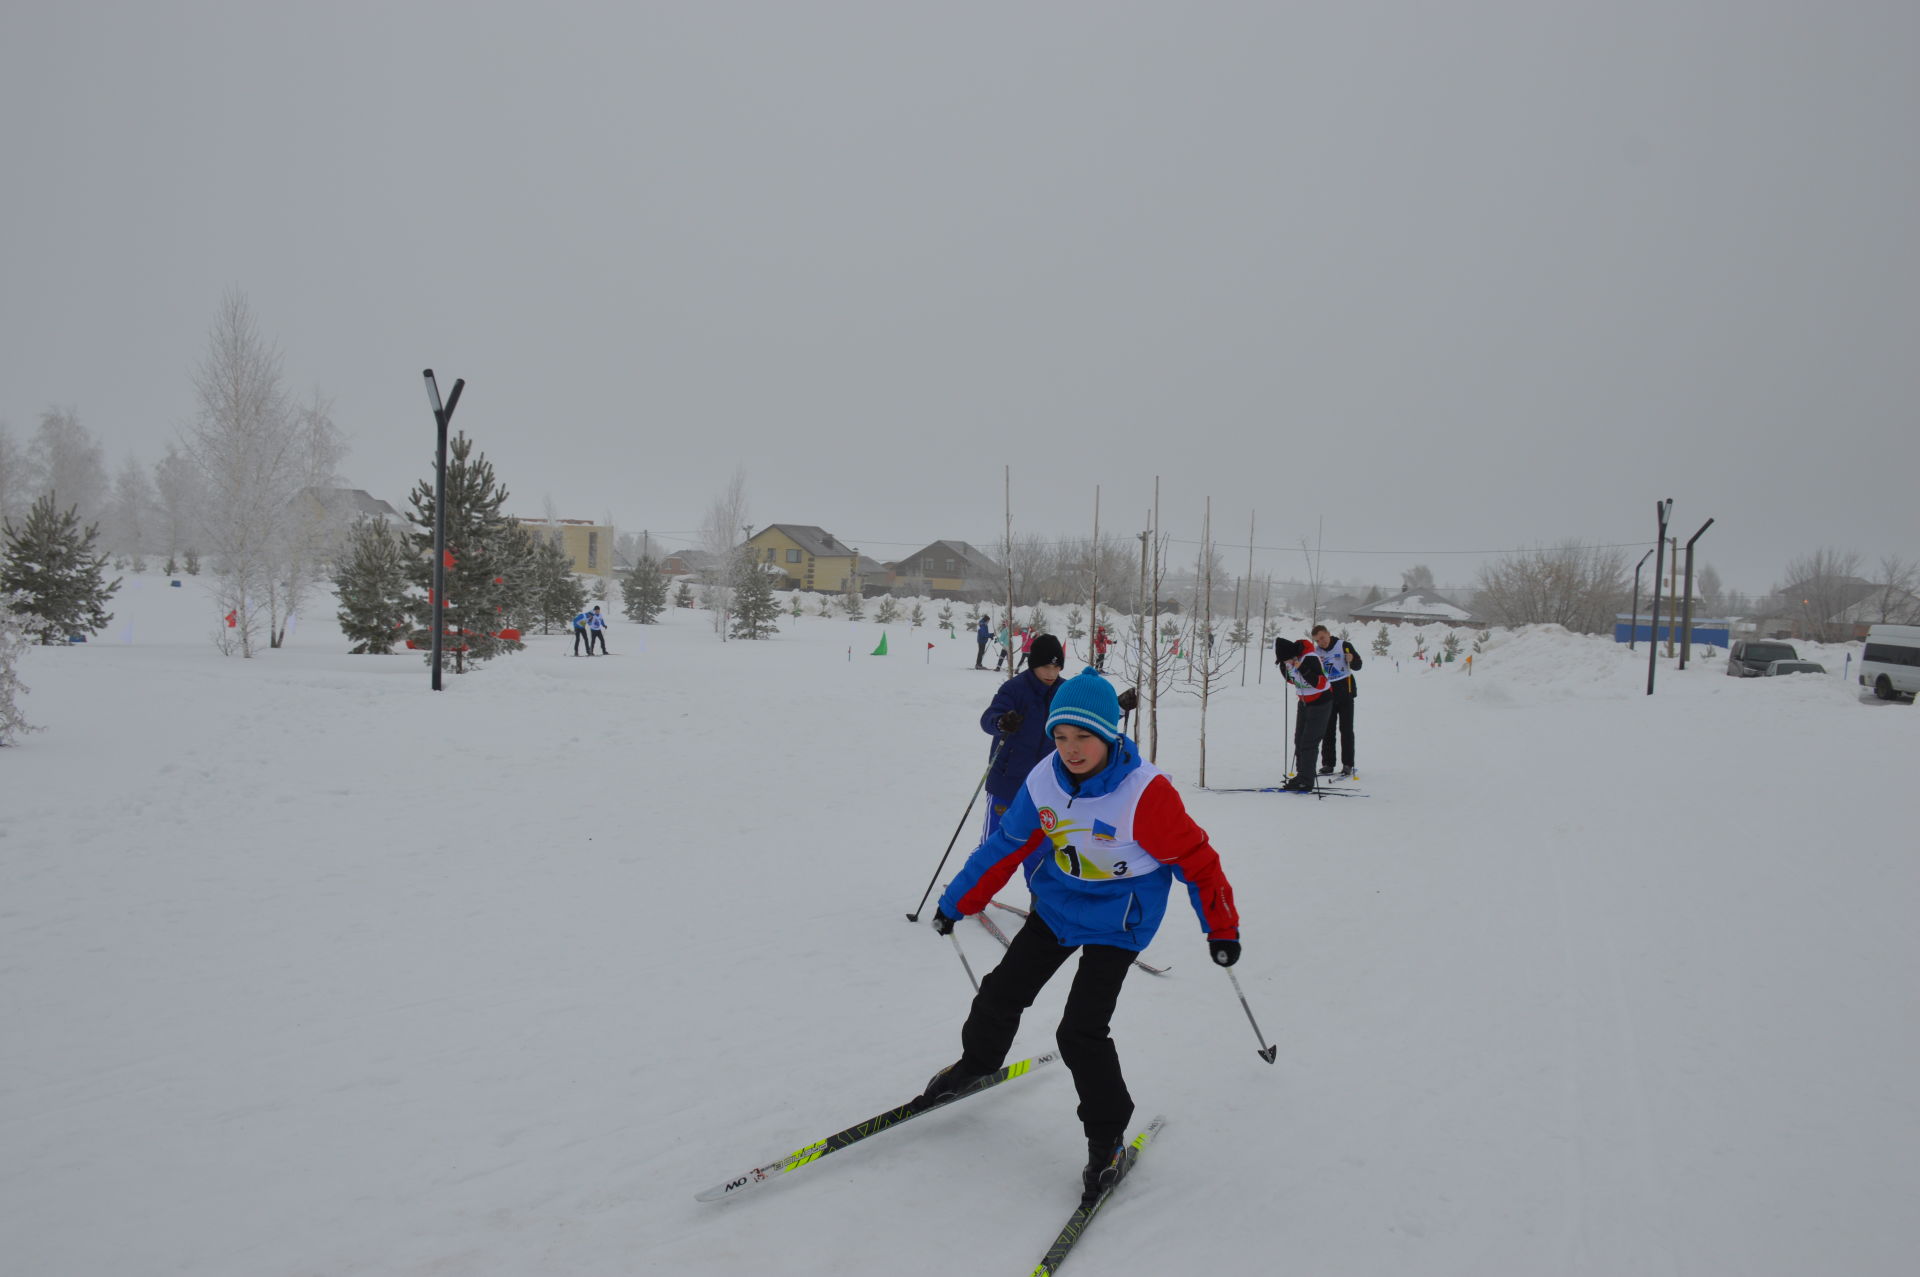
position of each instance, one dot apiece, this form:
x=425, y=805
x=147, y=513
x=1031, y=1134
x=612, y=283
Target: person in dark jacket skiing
x=1340, y=661
x=983, y=633
x=1309, y=680
x=1017, y=719
x=1102, y=835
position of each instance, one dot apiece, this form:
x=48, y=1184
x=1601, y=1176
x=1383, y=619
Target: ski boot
x=1105, y=1160
x=946, y=1084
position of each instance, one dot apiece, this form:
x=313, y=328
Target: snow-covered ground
x=307, y=970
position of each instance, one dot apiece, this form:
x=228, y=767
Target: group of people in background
x=1320, y=670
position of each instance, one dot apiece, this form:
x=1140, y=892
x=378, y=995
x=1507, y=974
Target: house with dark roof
x=946, y=570
x=1421, y=606
x=812, y=558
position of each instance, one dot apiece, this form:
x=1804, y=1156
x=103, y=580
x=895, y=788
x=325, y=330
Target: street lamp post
x=442, y=415
x=1686, y=611
x=1663, y=509
x=1633, y=621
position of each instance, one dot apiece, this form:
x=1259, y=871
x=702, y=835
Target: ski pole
x=1267, y=1053
x=963, y=959
x=991, y=758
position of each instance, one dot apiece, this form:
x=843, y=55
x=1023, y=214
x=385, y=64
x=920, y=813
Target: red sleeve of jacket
x=1162, y=826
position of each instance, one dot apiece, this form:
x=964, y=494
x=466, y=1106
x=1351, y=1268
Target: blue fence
x=1716, y=633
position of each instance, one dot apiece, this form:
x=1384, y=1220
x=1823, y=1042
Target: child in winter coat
x=1017, y=719
x=1102, y=834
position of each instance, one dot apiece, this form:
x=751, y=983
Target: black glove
x=1010, y=721
x=1225, y=952
x=1129, y=700
x=944, y=925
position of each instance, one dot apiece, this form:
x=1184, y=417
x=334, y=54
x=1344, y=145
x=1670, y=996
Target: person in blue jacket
x=580, y=634
x=983, y=633
x=1017, y=720
x=1103, y=834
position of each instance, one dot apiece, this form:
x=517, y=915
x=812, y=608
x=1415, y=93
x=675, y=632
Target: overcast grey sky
x=1450, y=276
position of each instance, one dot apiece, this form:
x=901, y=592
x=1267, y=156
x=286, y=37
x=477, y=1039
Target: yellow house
x=588, y=544
x=812, y=558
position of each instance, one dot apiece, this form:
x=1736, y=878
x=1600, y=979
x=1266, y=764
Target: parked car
x=1749, y=658
x=1795, y=667
x=1890, y=662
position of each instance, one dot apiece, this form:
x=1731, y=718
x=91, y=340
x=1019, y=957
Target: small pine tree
x=853, y=604
x=1239, y=635
x=1480, y=643
x=1075, y=630
x=917, y=617
x=193, y=562
x=888, y=612
x=645, y=591
x=50, y=560
x=13, y=639
x=946, y=616
x=173, y=568
x=754, y=608
x=794, y=609
x=1037, y=619
x=1382, y=642
x=826, y=608
x=1450, y=646
x=488, y=569
x=683, y=597
x=1419, y=647
x=372, y=584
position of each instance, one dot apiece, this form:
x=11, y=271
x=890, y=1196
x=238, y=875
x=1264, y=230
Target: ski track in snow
x=308, y=970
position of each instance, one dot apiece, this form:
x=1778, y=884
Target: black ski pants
x=579, y=637
x=597, y=636
x=1085, y=1045
x=1339, y=722
x=1309, y=728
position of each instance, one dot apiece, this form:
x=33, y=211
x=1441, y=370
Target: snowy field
x=307, y=971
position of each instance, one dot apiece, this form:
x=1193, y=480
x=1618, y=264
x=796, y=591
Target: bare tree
x=1820, y=587
x=1573, y=584
x=179, y=492
x=1893, y=601
x=1417, y=577
x=14, y=488
x=64, y=459
x=721, y=534
x=132, y=516
x=255, y=452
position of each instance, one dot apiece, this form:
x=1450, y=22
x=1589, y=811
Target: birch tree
x=254, y=452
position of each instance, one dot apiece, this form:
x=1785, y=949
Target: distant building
x=945, y=570
x=588, y=545
x=332, y=512
x=1423, y=606
x=812, y=558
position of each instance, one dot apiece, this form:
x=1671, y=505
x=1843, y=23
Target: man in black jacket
x=1340, y=661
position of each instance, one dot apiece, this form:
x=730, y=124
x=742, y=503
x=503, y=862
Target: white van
x=1890, y=664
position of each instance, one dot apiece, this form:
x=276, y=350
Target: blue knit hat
x=1086, y=701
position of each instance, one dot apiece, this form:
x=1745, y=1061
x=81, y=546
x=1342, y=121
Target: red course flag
x=233, y=619
x=447, y=557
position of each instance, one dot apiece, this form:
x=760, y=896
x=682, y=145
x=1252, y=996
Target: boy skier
x=1101, y=834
